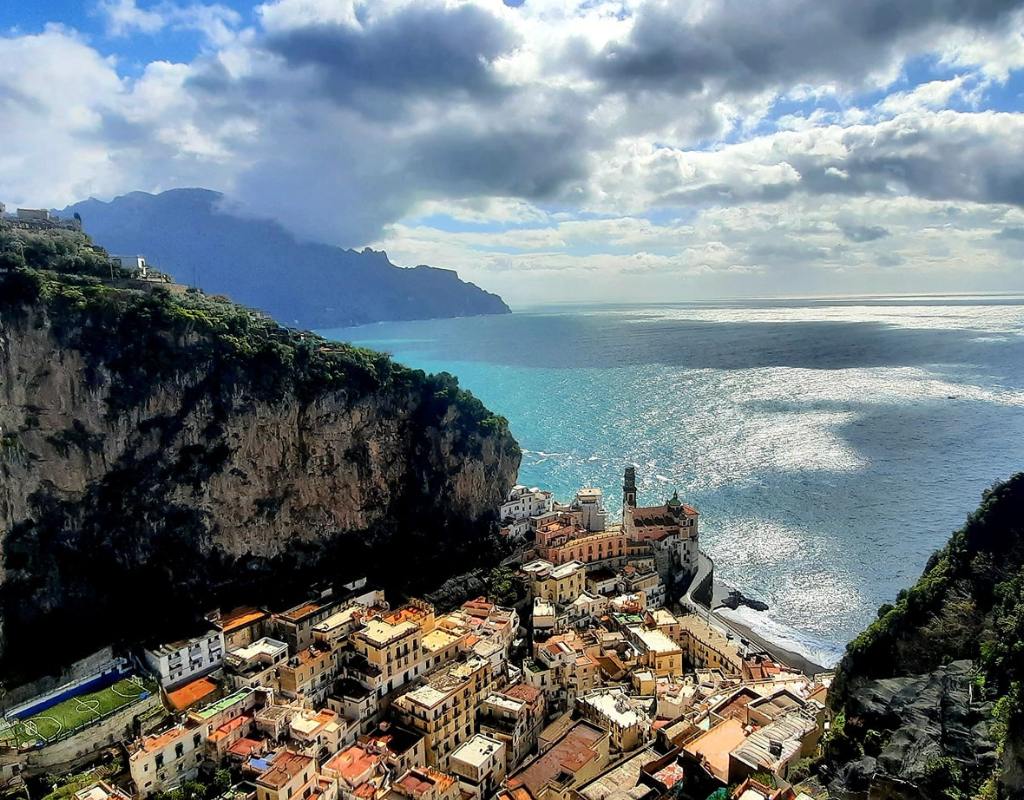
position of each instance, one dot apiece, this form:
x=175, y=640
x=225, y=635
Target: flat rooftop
x=206, y=712
x=655, y=640
x=714, y=746
x=379, y=632
x=477, y=750
x=261, y=647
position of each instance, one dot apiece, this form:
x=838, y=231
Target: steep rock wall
x=123, y=519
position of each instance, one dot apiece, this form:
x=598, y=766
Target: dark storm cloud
x=864, y=233
x=739, y=47
x=417, y=51
x=512, y=161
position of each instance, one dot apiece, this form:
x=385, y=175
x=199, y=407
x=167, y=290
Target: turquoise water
x=830, y=446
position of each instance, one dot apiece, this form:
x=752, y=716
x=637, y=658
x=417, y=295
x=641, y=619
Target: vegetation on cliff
x=163, y=451
x=147, y=336
x=967, y=607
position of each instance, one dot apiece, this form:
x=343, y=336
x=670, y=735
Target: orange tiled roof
x=230, y=727
x=353, y=762
x=191, y=693
x=240, y=617
x=421, y=780
x=286, y=766
x=522, y=691
x=245, y=747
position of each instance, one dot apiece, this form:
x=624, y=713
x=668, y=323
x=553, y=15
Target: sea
x=830, y=445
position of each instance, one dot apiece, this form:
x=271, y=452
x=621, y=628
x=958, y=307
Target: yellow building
x=308, y=674
x=292, y=775
x=663, y=655
x=391, y=647
x=557, y=584
x=705, y=647
x=444, y=708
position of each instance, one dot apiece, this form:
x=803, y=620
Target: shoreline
x=782, y=654
x=776, y=651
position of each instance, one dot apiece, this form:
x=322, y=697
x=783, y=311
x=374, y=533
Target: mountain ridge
x=195, y=235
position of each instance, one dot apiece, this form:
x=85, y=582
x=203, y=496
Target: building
x=290, y=776
x=240, y=626
x=562, y=539
x=225, y=721
x=612, y=710
x=181, y=661
x=657, y=651
x=317, y=733
x=564, y=667
x=572, y=760
x=557, y=584
x=164, y=761
x=775, y=747
x=710, y=750
x=355, y=702
x=255, y=664
x=515, y=717
x=636, y=578
x=135, y=263
x=389, y=649
x=705, y=647
x=403, y=749
x=425, y=783
x=671, y=530
x=479, y=765
x=308, y=675
x=100, y=790
x=520, y=506
x=444, y=708
x=295, y=626
x=544, y=618
x=590, y=506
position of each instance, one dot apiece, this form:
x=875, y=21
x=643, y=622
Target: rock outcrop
x=928, y=699
x=919, y=723
x=160, y=455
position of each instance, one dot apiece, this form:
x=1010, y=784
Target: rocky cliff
x=164, y=453
x=928, y=699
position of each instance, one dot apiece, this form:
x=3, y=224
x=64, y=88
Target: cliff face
x=929, y=699
x=161, y=455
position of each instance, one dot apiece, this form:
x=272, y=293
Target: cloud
x=783, y=139
x=736, y=47
x=864, y=233
x=426, y=50
x=215, y=22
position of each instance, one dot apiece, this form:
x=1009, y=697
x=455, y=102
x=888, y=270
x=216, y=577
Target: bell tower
x=629, y=488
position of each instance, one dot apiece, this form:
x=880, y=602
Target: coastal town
x=609, y=678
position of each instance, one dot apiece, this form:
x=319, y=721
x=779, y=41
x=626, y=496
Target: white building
x=137, y=263
x=613, y=710
x=256, y=663
x=479, y=765
x=589, y=502
x=544, y=616
x=178, y=662
x=520, y=506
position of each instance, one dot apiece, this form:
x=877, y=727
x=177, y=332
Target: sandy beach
x=779, y=653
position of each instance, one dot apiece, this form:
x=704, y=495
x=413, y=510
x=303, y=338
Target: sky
x=553, y=150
